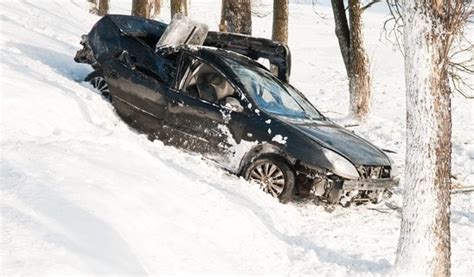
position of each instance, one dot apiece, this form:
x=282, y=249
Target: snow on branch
x=456, y=15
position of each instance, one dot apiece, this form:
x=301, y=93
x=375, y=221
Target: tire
x=97, y=80
x=274, y=176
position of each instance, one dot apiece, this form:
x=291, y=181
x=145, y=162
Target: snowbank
x=84, y=194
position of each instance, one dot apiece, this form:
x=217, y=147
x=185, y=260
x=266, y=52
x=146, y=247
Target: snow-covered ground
x=84, y=194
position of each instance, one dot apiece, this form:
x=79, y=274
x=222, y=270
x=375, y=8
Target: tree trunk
x=224, y=10
x=356, y=62
x=103, y=7
x=359, y=75
x=155, y=8
x=424, y=245
x=280, y=21
x=236, y=16
x=141, y=8
x=93, y=8
x=342, y=31
x=179, y=6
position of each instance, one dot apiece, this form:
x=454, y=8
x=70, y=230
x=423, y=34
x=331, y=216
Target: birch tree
x=430, y=26
x=236, y=16
x=280, y=21
x=179, y=6
x=351, y=43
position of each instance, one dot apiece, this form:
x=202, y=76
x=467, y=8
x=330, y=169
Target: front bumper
x=370, y=184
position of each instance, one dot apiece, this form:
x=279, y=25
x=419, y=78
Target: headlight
x=342, y=166
x=393, y=169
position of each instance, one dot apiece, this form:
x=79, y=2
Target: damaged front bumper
x=370, y=184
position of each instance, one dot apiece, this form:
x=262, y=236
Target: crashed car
x=209, y=92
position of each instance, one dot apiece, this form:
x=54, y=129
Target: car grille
x=374, y=172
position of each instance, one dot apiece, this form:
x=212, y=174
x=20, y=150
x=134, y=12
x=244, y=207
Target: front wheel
x=274, y=176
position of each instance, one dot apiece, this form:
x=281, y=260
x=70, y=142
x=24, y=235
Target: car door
x=139, y=82
x=200, y=121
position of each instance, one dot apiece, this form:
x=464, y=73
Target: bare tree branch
x=368, y=5
x=313, y=4
x=460, y=59
x=260, y=9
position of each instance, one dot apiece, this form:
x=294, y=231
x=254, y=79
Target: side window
x=202, y=81
x=163, y=69
x=168, y=68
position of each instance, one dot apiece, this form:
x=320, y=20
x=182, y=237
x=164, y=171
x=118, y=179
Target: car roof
x=219, y=53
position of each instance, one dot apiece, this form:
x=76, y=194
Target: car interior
x=206, y=83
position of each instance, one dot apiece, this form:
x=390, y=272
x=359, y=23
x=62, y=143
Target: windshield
x=273, y=96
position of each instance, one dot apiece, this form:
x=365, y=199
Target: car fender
x=93, y=74
x=261, y=149
x=308, y=153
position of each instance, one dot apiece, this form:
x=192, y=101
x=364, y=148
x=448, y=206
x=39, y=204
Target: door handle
x=179, y=103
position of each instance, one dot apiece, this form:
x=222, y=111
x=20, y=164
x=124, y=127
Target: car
x=211, y=93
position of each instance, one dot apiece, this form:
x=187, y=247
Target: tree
x=351, y=45
x=99, y=7
x=155, y=8
x=430, y=26
x=280, y=21
x=93, y=7
x=224, y=11
x=141, y=8
x=236, y=16
x=103, y=7
x=359, y=75
x=342, y=31
x=179, y=6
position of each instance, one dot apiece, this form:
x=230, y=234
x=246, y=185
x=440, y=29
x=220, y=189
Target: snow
x=237, y=151
x=84, y=194
x=279, y=139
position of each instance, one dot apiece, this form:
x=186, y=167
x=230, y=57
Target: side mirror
x=233, y=104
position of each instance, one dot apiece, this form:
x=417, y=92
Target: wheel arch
x=96, y=73
x=264, y=150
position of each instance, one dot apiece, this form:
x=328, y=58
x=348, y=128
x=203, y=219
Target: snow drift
x=84, y=194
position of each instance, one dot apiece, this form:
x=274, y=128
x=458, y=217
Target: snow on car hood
x=356, y=149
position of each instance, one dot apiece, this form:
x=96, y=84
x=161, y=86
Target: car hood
x=356, y=149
